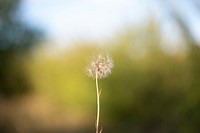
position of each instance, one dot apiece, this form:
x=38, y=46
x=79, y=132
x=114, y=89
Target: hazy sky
x=67, y=20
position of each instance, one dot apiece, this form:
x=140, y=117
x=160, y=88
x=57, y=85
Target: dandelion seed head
x=100, y=65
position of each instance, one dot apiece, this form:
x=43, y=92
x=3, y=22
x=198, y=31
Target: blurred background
x=46, y=44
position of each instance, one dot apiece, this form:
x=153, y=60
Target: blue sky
x=68, y=20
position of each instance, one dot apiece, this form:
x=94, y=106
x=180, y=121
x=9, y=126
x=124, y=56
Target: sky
x=65, y=20
x=69, y=20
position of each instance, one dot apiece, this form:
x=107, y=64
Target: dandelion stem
x=98, y=104
x=100, y=67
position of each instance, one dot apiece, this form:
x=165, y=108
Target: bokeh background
x=46, y=44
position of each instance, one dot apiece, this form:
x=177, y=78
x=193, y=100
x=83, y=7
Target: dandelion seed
x=100, y=65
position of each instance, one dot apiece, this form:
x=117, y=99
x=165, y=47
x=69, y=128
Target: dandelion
x=99, y=67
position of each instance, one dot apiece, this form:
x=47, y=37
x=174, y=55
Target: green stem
x=98, y=104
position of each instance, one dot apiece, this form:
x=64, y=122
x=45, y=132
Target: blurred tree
x=15, y=40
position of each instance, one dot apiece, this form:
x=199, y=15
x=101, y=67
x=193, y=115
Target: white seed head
x=100, y=65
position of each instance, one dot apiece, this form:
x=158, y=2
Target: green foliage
x=15, y=40
x=152, y=92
